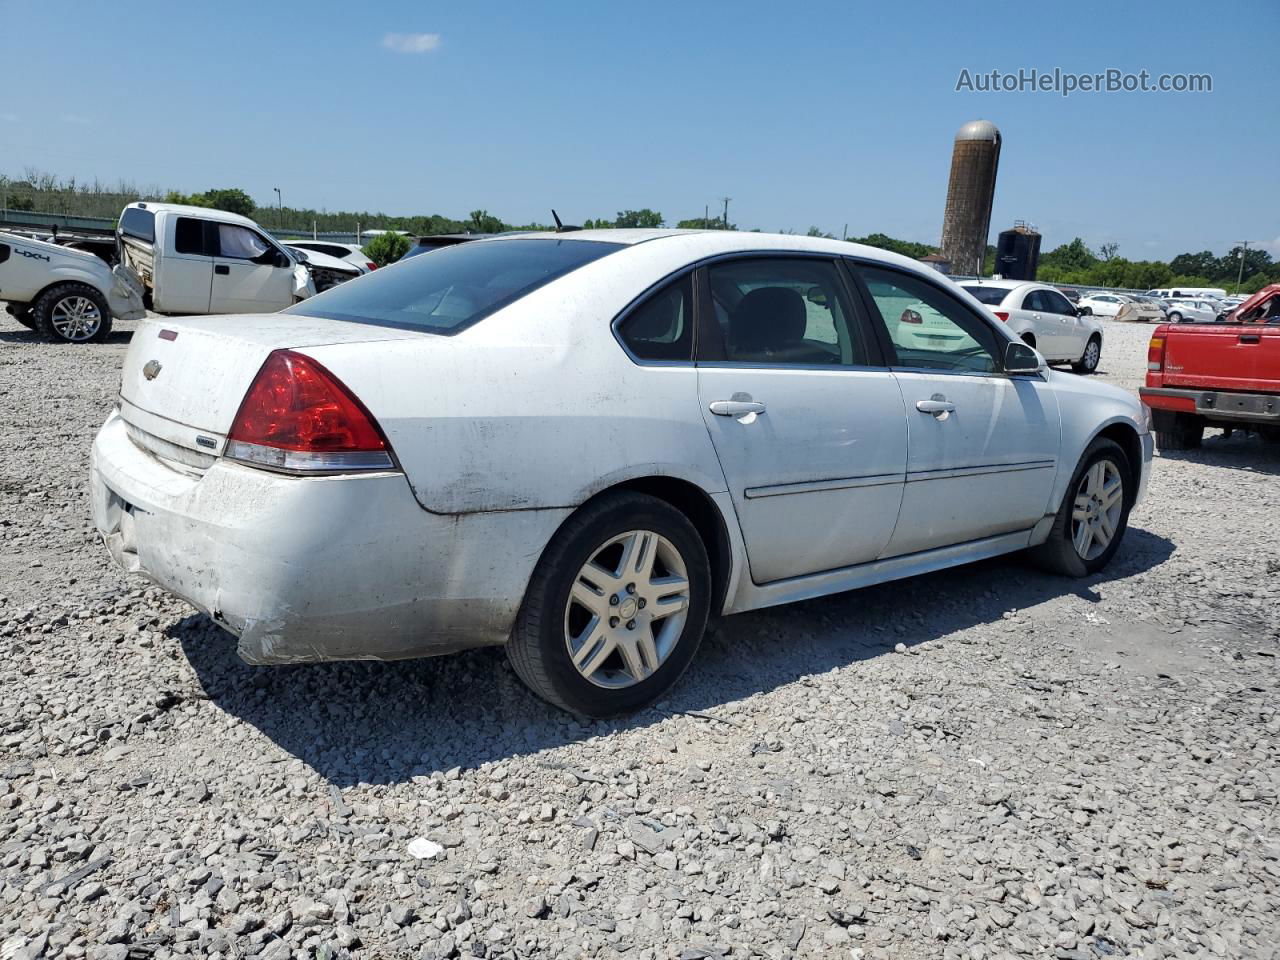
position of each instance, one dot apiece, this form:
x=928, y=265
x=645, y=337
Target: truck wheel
x=1185, y=433
x=72, y=313
x=1094, y=514
x=1088, y=361
x=615, y=609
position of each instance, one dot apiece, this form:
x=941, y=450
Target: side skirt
x=749, y=596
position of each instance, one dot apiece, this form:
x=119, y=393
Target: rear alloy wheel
x=72, y=313
x=1175, y=317
x=1094, y=514
x=615, y=609
x=1088, y=361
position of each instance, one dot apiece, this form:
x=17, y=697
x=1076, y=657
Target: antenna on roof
x=560, y=227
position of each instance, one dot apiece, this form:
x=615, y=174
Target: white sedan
x=1191, y=311
x=582, y=445
x=1044, y=318
x=1102, y=304
x=350, y=252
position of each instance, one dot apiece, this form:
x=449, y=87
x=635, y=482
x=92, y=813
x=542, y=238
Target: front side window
x=240, y=243
x=1055, y=302
x=929, y=329
x=661, y=328
x=784, y=310
x=455, y=286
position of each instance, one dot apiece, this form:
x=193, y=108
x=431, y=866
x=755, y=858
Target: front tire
x=72, y=313
x=1088, y=361
x=616, y=607
x=1094, y=514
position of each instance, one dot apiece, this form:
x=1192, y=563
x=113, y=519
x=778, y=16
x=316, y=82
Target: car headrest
x=769, y=318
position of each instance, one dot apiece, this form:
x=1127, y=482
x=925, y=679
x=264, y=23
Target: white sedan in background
x=1041, y=316
x=1102, y=304
x=349, y=252
x=581, y=445
x=1191, y=311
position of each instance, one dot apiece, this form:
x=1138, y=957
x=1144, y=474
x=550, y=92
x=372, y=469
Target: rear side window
x=455, y=287
x=139, y=223
x=1033, y=301
x=661, y=328
x=189, y=237
x=991, y=296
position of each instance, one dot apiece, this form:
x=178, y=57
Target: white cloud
x=411, y=42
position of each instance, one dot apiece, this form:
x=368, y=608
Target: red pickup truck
x=1216, y=374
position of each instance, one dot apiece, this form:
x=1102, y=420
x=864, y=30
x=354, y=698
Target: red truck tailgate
x=1235, y=357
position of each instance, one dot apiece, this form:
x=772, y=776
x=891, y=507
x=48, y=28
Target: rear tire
x=623, y=628
x=1186, y=432
x=1175, y=317
x=1088, y=504
x=1088, y=361
x=1086, y=311
x=72, y=313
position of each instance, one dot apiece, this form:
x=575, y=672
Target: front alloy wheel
x=1096, y=514
x=1093, y=516
x=616, y=607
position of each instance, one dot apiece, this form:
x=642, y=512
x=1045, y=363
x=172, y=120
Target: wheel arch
x=62, y=281
x=707, y=519
x=1126, y=436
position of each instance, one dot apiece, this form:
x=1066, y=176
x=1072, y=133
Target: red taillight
x=371, y=265
x=1155, y=352
x=910, y=316
x=1001, y=315
x=299, y=416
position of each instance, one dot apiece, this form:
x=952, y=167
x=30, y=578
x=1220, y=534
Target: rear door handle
x=1250, y=338
x=221, y=268
x=939, y=406
x=735, y=408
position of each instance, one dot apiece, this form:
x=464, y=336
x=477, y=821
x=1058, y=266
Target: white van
x=1176, y=293
x=195, y=260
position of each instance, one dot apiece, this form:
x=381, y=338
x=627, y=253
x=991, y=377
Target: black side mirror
x=1020, y=358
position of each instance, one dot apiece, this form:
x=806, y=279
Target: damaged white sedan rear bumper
x=313, y=568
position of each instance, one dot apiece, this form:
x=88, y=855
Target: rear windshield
x=140, y=223
x=991, y=296
x=454, y=287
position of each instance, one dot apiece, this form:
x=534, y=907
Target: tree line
x=1070, y=263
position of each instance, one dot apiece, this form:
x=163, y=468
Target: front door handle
x=735, y=408
x=1250, y=338
x=937, y=405
x=222, y=269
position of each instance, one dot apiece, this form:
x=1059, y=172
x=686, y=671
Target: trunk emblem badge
x=151, y=370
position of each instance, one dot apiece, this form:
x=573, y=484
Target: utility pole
x=1244, y=248
x=279, y=209
x=725, y=222
x=706, y=216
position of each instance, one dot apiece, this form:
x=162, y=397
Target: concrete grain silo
x=967, y=219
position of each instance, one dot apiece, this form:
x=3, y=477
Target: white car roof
x=204, y=213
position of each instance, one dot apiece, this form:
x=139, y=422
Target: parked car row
x=581, y=446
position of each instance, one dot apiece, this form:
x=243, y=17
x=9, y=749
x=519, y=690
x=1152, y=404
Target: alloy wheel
x=76, y=318
x=1092, y=353
x=627, y=609
x=1096, y=513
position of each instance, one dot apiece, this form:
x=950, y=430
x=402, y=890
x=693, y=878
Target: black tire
x=1086, y=311
x=1058, y=553
x=1088, y=361
x=1184, y=433
x=1175, y=317
x=538, y=649
x=43, y=309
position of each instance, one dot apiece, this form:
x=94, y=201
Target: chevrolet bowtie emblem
x=151, y=370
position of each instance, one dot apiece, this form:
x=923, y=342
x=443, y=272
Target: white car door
x=1069, y=333
x=1044, y=325
x=982, y=446
x=250, y=274
x=808, y=425
x=183, y=271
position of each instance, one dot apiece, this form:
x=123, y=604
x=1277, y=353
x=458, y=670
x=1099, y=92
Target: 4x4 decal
x=32, y=255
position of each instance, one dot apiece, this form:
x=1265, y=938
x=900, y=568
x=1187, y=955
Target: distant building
x=938, y=262
x=966, y=221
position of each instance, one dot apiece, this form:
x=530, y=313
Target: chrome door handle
x=939, y=406
x=735, y=408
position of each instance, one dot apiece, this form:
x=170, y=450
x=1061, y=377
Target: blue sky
x=807, y=113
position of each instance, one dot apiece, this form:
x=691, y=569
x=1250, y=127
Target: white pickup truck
x=196, y=260
x=64, y=294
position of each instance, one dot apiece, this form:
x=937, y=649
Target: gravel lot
x=1045, y=768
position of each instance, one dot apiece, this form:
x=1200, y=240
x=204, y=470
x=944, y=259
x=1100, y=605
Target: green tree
x=1200, y=264
x=638, y=218
x=230, y=199
x=483, y=222
x=386, y=248
x=908, y=248
x=1075, y=255
x=1107, y=251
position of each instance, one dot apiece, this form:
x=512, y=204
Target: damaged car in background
x=583, y=446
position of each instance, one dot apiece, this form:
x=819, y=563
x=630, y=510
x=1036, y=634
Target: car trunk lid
x=184, y=379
